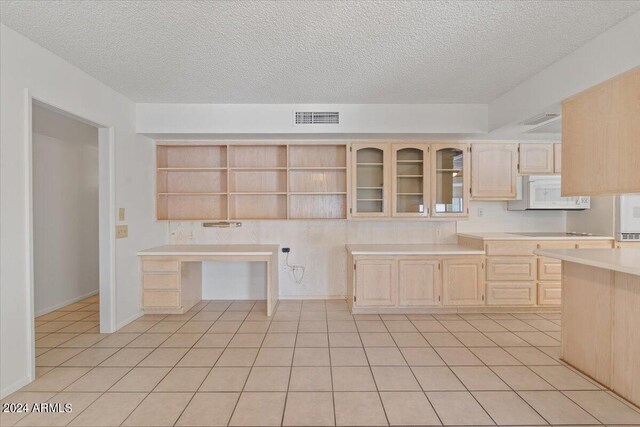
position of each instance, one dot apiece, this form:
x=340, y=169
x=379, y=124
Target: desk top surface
x=212, y=250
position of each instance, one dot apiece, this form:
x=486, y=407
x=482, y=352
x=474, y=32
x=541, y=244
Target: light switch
x=122, y=231
x=121, y=214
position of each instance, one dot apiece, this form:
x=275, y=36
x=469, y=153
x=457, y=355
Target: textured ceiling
x=313, y=51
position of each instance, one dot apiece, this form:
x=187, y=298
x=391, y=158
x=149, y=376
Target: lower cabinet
x=419, y=282
x=549, y=293
x=514, y=293
x=406, y=281
x=463, y=281
x=376, y=282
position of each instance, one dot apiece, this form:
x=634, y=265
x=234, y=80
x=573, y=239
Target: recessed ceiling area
x=313, y=51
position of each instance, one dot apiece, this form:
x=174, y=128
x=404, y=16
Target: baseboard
x=129, y=320
x=313, y=297
x=6, y=391
x=67, y=302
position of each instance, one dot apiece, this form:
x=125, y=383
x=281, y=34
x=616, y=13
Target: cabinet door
x=376, y=282
x=494, y=168
x=557, y=158
x=536, y=158
x=463, y=282
x=450, y=180
x=410, y=180
x=369, y=192
x=419, y=282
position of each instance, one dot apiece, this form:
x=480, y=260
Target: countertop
x=516, y=236
x=622, y=260
x=426, y=249
x=223, y=250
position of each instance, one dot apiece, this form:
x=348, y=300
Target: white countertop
x=426, y=249
x=517, y=236
x=218, y=250
x=622, y=260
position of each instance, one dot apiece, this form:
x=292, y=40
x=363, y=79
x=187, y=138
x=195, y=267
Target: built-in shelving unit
x=244, y=182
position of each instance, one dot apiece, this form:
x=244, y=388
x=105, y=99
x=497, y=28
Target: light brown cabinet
x=450, y=180
x=410, y=170
x=600, y=128
x=419, y=282
x=557, y=158
x=376, y=282
x=536, y=158
x=494, y=169
x=370, y=166
x=511, y=293
x=463, y=281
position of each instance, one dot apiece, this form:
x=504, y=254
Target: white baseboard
x=313, y=297
x=6, y=391
x=129, y=320
x=67, y=302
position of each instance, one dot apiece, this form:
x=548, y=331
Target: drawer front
x=159, y=266
x=594, y=244
x=556, y=244
x=549, y=293
x=159, y=281
x=516, y=293
x=511, y=268
x=160, y=299
x=549, y=269
x=509, y=248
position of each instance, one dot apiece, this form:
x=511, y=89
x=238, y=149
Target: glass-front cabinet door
x=369, y=195
x=410, y=180
x=450, y=180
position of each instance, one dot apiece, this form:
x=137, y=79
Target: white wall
x=611, y=53
x=65, y=210
x=25, y=65
x=279, y=118
x=600, y=219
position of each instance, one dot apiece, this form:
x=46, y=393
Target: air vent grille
x=540, y=118
x=317, y=117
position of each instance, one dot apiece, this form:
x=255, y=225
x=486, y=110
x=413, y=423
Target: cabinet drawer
x=511, y=268
x=594, y=244
x=556, y=244
x=549, y=293
x=516, y=293
x=510, y=248
x=159, y=281
x=159, y=266
x=549, y=269
x=160, y=299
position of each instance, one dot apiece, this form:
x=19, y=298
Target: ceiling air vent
x=317, y=117
x=540, y=118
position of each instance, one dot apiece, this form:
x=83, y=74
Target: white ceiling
x=313, y=51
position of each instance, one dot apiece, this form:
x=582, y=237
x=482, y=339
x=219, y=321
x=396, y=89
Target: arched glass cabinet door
x=369, y=180
x=410, y=180
x=450, y=180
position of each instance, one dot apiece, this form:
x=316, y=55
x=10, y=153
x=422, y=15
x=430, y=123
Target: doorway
x=72, y=224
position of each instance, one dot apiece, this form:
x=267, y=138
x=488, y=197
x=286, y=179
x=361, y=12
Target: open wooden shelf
x=251, y=182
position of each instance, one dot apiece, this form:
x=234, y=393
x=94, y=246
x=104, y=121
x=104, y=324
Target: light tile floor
x=226, y=363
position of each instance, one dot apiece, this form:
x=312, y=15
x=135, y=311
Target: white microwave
x=542, y=192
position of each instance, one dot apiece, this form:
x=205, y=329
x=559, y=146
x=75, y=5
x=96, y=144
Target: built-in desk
x=172, y=274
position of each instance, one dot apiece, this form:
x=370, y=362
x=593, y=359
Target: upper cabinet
x=450, y=180
x=536, y=158
x=600, y=129
x=494, y=169
x=557, y=158
x=370, y=183
x=410, y=180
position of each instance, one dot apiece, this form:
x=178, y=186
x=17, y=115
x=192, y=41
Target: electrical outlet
x=480, y=212
x=122, y=231
x=121, y=214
